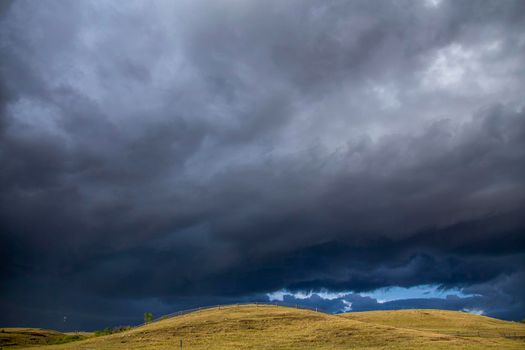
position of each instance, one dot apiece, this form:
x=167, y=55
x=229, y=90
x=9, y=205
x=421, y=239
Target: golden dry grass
x=13, y=338
x=274, y=327
x=442, y=321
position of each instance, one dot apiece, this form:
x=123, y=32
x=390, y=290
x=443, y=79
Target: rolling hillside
x=13, y=338
x=275, y=327
x=442, y=321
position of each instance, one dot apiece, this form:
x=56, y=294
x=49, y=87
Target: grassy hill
x=442, y=321
x=275, y=327
x=14, y=338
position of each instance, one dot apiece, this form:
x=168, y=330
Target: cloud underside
x=185, y=151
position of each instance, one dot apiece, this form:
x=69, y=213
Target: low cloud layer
x=184, y=153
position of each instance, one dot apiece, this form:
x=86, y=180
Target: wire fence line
x=466, y=334
x=489, y=334
x=219, y=306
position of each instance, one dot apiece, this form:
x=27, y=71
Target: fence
x=482, y=334
x=219, y=306
x=490, y=334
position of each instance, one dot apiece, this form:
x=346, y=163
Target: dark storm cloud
x=201, y=152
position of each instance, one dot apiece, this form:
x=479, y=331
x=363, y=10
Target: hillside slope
x=274, y=327
x=443, y=322
x=14, y=338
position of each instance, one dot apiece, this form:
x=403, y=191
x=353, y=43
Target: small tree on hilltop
x=148, y=317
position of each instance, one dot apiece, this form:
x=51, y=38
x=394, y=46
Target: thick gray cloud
x=212, y=151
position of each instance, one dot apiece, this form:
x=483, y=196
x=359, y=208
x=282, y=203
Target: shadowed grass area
x=14, y=338
x=275, y=327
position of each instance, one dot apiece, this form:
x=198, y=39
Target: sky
x=346, y=155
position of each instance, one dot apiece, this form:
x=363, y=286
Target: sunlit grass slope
x=12, y=338
x=443, y=322
x=274, y=327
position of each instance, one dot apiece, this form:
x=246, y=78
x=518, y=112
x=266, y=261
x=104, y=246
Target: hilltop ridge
x=276, y=327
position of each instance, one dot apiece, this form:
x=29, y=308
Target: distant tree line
x=108, y=330
x=148, y=317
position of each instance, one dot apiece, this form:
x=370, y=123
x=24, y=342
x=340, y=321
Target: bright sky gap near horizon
x=346, y=155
